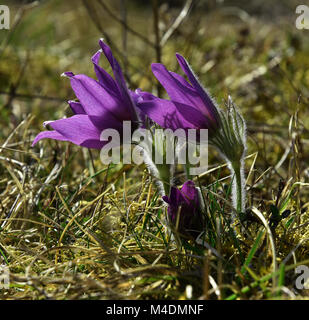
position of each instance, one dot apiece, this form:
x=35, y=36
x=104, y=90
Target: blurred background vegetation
x=250, y=50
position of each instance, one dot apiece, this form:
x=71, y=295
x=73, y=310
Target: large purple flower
x=103, y=104
x=184, y=209
x=189, y=107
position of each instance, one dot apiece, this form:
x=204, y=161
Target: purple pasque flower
x=103, y=104
x=189, y=107
x=184, y=209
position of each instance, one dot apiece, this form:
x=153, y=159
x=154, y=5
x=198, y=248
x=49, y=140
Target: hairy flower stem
x=165, y=175
x=238, y=188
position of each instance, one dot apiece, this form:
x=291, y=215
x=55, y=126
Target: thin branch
x=17, y=20
x=181, y=17
x=96, y=20
x=155, y=8
x=123, y=4
x=124, y=24
x=14, y=86
x=34, y=96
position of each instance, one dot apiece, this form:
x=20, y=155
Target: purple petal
x=95, y=99
x=79, y=130
x=106, y=122
x=120, y=81
x=76, y=107
x=166, y=199
x=143, y=96
x=108, y=52
x=210, y=108
x=68, y=74
x=165, y=113
x=196, y=118
x=136, y=96
x=104, y=78
x=181, y=79
x=187, y=197
x=175, y=197
x=189, y=192
x=49, y=135
x=176, y=89
x=115, y=66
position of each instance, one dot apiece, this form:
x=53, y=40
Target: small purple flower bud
x=184, y=210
